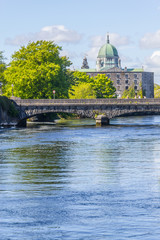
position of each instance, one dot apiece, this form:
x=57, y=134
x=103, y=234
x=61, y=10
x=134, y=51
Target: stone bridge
x=90, y=108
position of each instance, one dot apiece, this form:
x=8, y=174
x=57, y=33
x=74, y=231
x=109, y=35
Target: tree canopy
x=157, y=91
x=129, y=93
x=82, y=91
x=36, y=70
x=100, y=84
x=81, y=77
x=2, y=67
x=103, y=86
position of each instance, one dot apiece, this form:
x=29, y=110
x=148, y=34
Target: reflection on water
x=76, y=181
x=41, y=165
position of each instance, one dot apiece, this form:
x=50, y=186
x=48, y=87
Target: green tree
x=141, y=93
x=103, y=86
x=82, y=91
x=36, y=70
x=2, y=67
x=129, y=93
x=156, y=91
x=80, y=77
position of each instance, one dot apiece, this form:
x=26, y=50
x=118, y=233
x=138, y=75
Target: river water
x=76, y=181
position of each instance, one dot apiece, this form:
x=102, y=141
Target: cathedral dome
x=107, y=50
x=107, y=57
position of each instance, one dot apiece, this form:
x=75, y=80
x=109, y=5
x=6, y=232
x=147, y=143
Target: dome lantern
x=107, y=38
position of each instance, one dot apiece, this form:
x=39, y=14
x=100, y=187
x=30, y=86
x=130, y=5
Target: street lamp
x=54, y=92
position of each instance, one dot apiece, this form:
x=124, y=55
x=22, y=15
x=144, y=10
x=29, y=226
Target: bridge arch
x=90, y=108
x=92, y=114
x=30, y=114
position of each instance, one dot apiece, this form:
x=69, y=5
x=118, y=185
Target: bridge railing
x=86, y=101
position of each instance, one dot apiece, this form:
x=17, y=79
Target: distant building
x=109, y=63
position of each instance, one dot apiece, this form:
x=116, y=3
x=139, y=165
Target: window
x=126, y=76
x=101, y=63
x=126, y=81
x=118, y=76
x=135, y=87
x=135, y=75
x=126, y=87
x=118, y=81
x=135, y=81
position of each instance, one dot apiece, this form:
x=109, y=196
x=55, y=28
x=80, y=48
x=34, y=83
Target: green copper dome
x=107, y=57
x=107, y=50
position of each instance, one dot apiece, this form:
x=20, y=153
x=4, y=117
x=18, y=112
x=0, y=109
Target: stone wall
x=48, y=102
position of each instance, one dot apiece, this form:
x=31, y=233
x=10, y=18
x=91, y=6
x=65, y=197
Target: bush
x=8, y=106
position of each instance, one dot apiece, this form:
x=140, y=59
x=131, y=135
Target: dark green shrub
x=8, y=106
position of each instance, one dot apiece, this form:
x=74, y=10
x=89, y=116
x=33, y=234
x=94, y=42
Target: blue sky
x=80, y=27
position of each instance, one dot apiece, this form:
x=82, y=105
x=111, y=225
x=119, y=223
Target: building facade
x=109, y=63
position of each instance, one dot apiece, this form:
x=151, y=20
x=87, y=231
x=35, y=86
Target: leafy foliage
x=141, y=93
x=82, y=91
x=103, y=86
x=2, y=67
x=100, y=86
x=8, y=106
x=81, y=77
x=129, y=93
x=37, y=70
x=157, y=91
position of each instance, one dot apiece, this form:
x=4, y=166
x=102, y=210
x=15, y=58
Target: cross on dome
x=108, y=38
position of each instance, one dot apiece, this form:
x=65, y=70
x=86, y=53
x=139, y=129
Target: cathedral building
x=109, y=63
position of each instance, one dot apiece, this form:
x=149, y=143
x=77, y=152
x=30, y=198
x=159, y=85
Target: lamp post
x=12, y=89
x=54, y=92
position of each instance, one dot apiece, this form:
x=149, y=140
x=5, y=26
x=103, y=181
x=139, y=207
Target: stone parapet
x=47, y=102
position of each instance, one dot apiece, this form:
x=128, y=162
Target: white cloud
x=118, y=40
x=154, y=60
x=150, y=40
x=69, y=53
x=126, y=61
x=152, y=64
x=98, y=41
x=56, y=33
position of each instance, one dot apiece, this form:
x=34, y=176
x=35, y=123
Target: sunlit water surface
x=76, y=181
